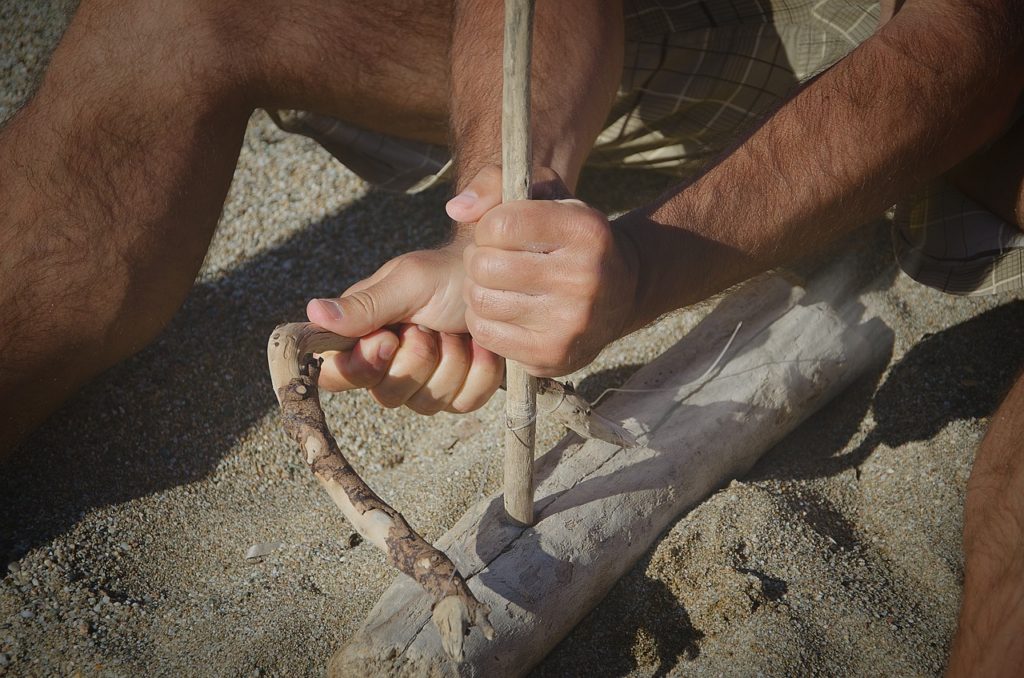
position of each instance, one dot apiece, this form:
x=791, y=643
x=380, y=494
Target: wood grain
x=521, y=399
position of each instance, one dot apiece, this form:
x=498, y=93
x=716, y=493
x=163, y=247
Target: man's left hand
x=549, y=283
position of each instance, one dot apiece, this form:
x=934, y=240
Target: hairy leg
x=113, y=176
x=379, y=65
x=990, y=636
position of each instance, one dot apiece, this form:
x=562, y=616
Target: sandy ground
x=124, y=520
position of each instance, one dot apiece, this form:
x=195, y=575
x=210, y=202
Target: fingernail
x=464, y=200
x=386, y=351
x=424, y=328
x=330, y=307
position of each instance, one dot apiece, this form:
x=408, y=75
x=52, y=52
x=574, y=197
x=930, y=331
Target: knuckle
x=329, y=381
x=460, y=406
x=469, y=402
x=428, y=409
x=482, y=301
x=485, y=333
x=545, y=173
x=482, y=266
x=556, y=359
x=421, y=347
x=361, y=375
x=592, y=223
x=386, y=397
x=455, y=352
x=413, y=262
x=365, y=304
x=502, y=223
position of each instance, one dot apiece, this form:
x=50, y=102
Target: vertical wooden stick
x=521, y=399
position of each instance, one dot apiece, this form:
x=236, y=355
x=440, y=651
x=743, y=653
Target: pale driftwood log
x=521, y=399
x=601, y=507
x=293, y=373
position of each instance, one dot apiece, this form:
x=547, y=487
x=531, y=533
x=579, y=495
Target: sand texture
x=125, y=520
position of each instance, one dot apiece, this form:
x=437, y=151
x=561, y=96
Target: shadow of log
x=962, y=372
x=661, y=626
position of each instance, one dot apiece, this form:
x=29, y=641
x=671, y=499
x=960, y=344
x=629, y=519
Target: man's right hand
x=414, y=348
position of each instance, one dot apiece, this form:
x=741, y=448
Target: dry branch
x=294, y=371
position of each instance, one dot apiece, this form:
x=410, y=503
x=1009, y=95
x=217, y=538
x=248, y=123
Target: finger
x=492, y=304
x=484, y=192
x=444, y=384
x=478, y=196
x=548, y=185
x=388, y=301
x=486, y=371
x=362, y=367
x=414, y=362
x=498, y=269
x=529, y=225
x=506, y=339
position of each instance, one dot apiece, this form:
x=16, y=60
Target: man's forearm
x=924, y=93
x=577, y=63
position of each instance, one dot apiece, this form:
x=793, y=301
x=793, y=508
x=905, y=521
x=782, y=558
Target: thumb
x=358, y=313
x=479, y=195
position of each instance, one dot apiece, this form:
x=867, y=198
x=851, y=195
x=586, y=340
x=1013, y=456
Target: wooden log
x=600, y=507
x=521, y=396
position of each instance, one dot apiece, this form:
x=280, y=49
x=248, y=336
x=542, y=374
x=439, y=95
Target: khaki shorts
x=697, y=74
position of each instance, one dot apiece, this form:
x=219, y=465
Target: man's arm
x=930, y=88
x=925, y=92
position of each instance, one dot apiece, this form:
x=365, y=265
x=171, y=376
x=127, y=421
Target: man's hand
x=549, y=284
x=414, y=348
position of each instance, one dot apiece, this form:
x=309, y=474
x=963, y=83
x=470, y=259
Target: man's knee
x=182, y=47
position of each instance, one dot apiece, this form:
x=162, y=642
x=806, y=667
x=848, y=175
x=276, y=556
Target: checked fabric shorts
x=697, y=74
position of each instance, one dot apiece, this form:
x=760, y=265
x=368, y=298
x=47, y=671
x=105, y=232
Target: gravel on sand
x=125, y=521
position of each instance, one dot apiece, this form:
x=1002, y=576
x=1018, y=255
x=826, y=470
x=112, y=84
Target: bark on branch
x=294, y=372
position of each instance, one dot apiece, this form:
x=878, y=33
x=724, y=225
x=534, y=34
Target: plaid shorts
x=698, y=73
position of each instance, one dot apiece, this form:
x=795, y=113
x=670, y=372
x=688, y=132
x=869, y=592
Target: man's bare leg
x=113, y=176
x=990, y=637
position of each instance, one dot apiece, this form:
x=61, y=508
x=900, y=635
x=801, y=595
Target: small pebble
x=260, y=550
